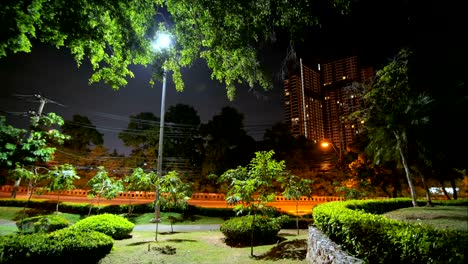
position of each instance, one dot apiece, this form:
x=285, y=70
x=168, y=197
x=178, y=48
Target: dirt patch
x=215, y=240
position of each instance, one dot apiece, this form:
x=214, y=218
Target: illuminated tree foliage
x=23, y=148
x=61, y=178
x=115, y=34
x=251, y=188
x=104, y=186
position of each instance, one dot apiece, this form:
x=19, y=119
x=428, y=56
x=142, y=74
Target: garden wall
x=321, y=250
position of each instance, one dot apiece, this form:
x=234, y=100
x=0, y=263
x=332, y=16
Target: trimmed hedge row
x=67, y=245
x=376, y=239
x=87, y=241
x=83, y=209
x=42, y=223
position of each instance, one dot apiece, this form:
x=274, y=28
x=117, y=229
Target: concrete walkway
x=152, y=227
x=176, y=228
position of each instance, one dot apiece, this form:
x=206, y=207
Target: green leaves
x=26, y=148
x=252, y=187
x=104, y=186
x=62, y=178
x=114, y=34
x=174, y=192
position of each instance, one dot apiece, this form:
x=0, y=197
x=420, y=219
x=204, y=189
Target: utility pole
x=42, y=101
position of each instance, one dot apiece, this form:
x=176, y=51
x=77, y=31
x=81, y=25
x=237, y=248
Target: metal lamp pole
x=163, y=41
x=157, y=210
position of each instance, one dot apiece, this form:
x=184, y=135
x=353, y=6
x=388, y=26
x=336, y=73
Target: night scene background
x=375, y=31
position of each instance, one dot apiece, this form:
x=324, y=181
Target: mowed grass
x=187, y=247
x=204, y=247
x=440, y=217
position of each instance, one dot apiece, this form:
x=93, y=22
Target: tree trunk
x=389, y=195
x=454, y=188
x=414, y=196
x=252, y=236
x=426, y=189
x=58, y=201
x=442, y=185
x=297, y=215
x=15, y=188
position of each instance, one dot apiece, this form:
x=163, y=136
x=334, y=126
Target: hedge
x=374, y=238
x=114, y=226
x=238, y=230
x=42, y=223
x=62, y=246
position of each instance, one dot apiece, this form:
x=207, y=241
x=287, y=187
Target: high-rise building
x=317, y=100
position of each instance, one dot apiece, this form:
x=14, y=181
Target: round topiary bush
x=238, y=230
x=112, y=225
x=42, y=223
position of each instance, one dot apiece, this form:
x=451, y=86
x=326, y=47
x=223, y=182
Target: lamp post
x=325, y=144
x=163, y=41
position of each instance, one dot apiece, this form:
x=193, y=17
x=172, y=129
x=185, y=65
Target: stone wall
x=321, y=250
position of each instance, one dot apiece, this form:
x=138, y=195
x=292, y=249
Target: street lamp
x=325, y=145
x=163, y=41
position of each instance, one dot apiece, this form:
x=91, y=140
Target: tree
x=295, y=188
x=182, y=137
x=252, y=187
x=227, y=143
x=393, y=112
x=112, y=35
x=61, y=178
x=174, y=192
x=26, y=148
x=104, y=186
x=82, y=132
x=299, y=153
x=136, y=134
x=139, y=180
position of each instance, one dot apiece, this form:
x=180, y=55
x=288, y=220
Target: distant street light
x=163, y=41
x=325, y=145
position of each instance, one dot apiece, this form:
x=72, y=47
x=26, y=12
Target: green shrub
x=238, y=230
x=114, y=226
x=43, y=223
x=377, y=239
x=63, y=246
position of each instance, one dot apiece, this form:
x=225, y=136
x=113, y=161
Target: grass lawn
x=204, y=247
x=441, y=217
x=186, y=247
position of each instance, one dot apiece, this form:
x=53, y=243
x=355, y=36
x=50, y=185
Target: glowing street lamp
x=162, y=42
x=326, y=144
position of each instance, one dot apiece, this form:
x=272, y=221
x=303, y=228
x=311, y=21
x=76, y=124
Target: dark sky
x=372, y=33
x=55, y=75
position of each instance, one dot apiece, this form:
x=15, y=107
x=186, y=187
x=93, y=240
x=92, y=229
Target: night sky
x=55, y=75
x=372, y=35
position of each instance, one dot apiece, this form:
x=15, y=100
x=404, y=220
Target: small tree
x=61, y=178
x=138, y=181
x=295, y=188
x=20, y=148
x=252, y=187
x=104, y=186
x=175, y=193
